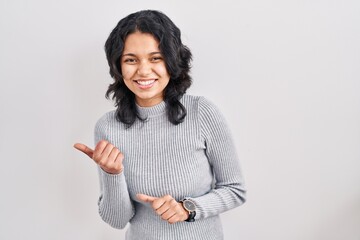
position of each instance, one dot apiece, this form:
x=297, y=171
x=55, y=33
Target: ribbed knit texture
x=194, y=159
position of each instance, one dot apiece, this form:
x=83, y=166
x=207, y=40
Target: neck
x=149, y=102
x=153, y=110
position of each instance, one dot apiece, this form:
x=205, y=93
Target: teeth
x=145, y=83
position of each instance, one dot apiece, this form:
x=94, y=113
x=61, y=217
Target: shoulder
x=203, y=106
x=203, y=109
x=198, y=103
x=189, y=100
x=103, y=122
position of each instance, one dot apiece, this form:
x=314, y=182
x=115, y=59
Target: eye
x=130, y=60
x=156, y=59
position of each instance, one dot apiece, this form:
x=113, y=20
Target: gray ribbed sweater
x=195, y=159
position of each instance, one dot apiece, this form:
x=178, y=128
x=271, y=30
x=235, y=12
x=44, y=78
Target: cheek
x=127, y=72
x=162, y=71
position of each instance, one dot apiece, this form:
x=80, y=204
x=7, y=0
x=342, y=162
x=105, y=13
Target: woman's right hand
x=106, y=155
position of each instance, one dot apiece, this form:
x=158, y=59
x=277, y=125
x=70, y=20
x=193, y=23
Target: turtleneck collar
x=156, y=110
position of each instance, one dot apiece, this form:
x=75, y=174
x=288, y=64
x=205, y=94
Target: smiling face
x=143, y=69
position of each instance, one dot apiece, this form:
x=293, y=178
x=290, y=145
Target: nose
x=144, y=68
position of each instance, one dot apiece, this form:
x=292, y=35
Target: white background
x=286, y=75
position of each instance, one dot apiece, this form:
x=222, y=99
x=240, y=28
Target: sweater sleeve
x=228, y=191
x=115, y=205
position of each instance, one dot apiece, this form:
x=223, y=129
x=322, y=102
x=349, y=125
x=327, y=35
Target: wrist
x=113, y=171
x=190, y=208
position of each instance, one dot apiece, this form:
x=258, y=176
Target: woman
x=166, y=160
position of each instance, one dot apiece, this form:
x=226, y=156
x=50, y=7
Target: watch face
x=189, y=205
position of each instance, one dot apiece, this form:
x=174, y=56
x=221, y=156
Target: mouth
x=145, y=83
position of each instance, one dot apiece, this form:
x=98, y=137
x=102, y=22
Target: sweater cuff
x=112, y=182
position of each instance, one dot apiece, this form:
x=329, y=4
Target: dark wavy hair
x=177, y=58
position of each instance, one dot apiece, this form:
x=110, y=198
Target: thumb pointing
x=85, y=149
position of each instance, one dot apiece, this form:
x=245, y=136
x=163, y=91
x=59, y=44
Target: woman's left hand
x=167, y=207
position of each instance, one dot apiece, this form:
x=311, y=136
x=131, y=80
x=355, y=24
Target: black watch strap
x=191, y=217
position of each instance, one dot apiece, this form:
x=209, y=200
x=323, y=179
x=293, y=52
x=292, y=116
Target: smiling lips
x=145, y=83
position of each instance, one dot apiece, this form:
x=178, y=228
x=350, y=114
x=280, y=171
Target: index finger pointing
x=145, y=198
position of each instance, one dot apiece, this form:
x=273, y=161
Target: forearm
x=220, y=199
x=115, y=205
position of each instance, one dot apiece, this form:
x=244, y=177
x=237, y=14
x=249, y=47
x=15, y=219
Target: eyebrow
x=134, y=55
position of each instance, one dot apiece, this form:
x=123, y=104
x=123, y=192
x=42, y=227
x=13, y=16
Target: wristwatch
x=190, y=207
